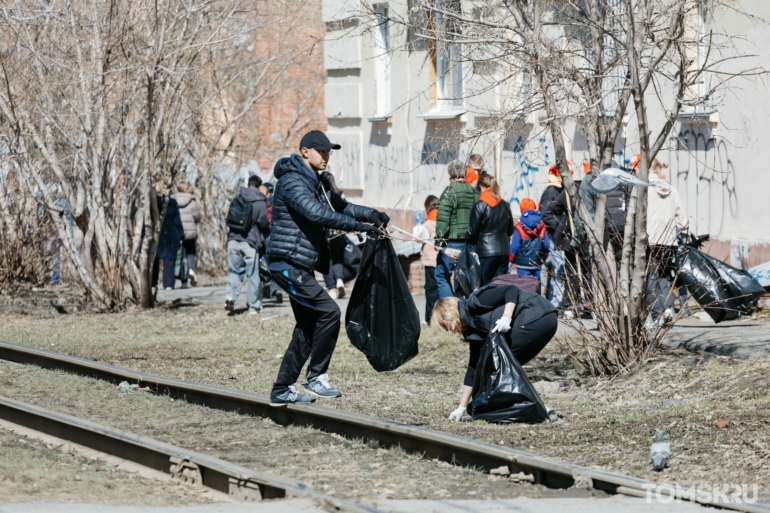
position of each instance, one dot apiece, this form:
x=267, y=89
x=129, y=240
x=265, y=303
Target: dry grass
x=31, y=471
x=607, y=425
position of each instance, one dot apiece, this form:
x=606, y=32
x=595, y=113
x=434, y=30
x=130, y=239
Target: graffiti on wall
x=703, y=172
x=527, y=158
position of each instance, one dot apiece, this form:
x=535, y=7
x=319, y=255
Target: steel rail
x=434, y=444
x=184, y=466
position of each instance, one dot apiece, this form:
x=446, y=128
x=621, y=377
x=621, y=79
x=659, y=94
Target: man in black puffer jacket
x=298, y=245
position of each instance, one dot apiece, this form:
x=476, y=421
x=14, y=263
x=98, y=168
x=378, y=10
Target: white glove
x=457, y=415
x=502, y=325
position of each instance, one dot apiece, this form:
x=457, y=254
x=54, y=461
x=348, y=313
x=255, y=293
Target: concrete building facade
x=392, y=104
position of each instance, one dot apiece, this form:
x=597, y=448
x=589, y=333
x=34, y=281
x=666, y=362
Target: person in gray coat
x=191, y=216
x=243, y=251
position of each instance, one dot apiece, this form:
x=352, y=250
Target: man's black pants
x=316, y=332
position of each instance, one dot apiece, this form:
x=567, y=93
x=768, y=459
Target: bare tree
x=102, y=100
x=599, y=64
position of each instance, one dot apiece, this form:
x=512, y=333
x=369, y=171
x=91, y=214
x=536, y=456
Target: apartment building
x=397, y=105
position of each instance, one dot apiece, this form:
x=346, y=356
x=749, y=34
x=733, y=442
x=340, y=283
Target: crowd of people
x=288, y=231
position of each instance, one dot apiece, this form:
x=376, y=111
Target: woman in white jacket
x=665, y=219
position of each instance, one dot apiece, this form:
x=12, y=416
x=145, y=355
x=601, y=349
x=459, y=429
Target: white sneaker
x=650, y=324
x=229, y=304
x=568, y=315
x=193, y=279
x=340, y=288
x=255, y=311
x=333, y=293
x=668, y=315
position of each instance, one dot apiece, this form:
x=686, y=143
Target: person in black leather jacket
x=490, y=229
x=298, y=245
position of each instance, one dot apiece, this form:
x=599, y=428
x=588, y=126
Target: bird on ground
x=613, y=178
x=660, y=451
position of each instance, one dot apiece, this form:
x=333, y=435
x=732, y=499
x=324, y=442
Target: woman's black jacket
x=490, y=229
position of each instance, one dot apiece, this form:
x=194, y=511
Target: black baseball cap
x=318, y=140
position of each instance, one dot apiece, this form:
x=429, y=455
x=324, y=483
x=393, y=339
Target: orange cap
x=555, y=170
x=527, y=204
x=634, y=164
x=471, y=175
x=586, y=167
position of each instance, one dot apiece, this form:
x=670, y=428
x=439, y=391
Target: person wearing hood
x=665, y=218
x=243, y=250
x=490, y=228
x=303, y=213
x=191, y=216
x=530, y=240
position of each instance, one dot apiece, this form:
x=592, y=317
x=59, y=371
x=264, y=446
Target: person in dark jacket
x=556, y=256
x=169, y=240
x=490, y=229
x=527, y=319
x=243, y=251
x=530, y=240
x=298, y=246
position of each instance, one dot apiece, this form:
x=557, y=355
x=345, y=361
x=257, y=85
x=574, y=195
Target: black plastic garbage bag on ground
x=724, y=291
x=467, y=272
x=382, y=320
x=502, y=392
x=742, y=287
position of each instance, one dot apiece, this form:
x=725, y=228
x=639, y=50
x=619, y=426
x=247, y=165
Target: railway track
x=433, y=444
x=182, y=465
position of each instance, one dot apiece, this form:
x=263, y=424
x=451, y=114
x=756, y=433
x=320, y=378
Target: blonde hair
x=657, y=169
x=183, y=187
x=160, y=190
x=446, y=316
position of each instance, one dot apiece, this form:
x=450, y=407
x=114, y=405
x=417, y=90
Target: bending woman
x=527, y=319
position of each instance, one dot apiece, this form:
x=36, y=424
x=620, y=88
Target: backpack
x=239, y=215
x=531, y=251
x=616, y=212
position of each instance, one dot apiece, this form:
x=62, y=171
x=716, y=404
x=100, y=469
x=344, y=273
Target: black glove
x=380, y=219
x=361, y=227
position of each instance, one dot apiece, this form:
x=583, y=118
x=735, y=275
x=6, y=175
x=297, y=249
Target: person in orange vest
x=530, y=240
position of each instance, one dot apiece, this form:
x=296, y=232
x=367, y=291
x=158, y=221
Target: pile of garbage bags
x=725, y=292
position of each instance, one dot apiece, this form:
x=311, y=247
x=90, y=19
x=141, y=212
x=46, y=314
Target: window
x=382, y=62
x=447, y=58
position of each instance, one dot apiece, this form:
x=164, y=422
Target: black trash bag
x=351, y=261
x=741, y=286
x=502, y=392
x=717, y=291
x=382, y=320
x=467, y=272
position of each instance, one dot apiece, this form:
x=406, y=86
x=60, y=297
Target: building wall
x=718, y=162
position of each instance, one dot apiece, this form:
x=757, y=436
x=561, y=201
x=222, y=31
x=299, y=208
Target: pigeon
x=613, y=178
x=660, y=451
